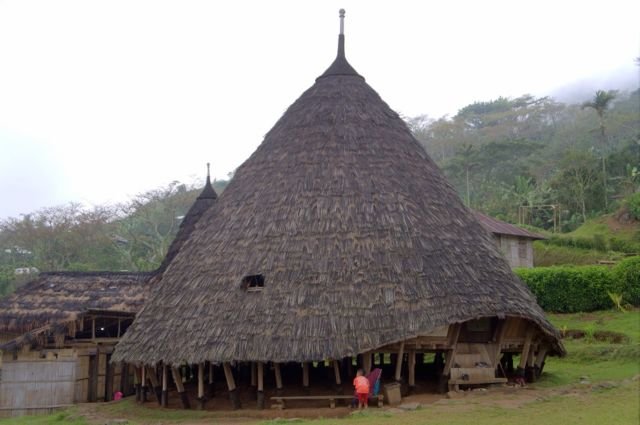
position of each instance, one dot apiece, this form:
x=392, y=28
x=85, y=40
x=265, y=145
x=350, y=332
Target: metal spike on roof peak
x=340, y=66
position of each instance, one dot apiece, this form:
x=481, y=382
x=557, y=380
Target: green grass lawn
x=559, y=396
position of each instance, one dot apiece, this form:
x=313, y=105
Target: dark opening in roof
x=253, y=283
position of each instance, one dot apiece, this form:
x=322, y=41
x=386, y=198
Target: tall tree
x=600, y=103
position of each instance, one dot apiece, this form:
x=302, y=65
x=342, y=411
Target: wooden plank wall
x=36, y=386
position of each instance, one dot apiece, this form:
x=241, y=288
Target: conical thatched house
x=338, y=237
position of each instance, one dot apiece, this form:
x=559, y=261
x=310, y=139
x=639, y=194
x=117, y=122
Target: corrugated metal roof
x=502, y=228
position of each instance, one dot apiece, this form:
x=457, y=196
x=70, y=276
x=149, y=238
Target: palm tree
x=600, y=103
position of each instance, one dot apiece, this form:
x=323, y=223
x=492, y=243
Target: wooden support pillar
x=278, y=374
x=336, y=371
x=525, y=350
x=398, y=374
x=93, y=328
x=136, y=383
x=201, y=397
x=349, y=361
x=143, y=380
x=366, y=362
x=540, y=358
x=124, y=379
x=164, y=400
x=412, y=370
x=155, y=385
x=260, y=392
x=119, y=331
x=231, y=384
x=177, y=378
x=305, y=376
x=454, y=334
x=254, y=374
x=211, y=386
x=109, y=375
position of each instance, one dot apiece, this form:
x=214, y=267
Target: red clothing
x=362, y=385
x=363, y=398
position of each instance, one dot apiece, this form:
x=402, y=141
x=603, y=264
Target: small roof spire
x=208, y=192
x=340, y=66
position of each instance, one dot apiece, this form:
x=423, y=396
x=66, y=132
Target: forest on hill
x=516, y=159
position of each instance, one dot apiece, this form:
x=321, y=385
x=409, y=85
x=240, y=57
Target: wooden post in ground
x=542, y=355
x=366, y=362
x=338, y=377
x=164, y=399
x=136, y=383
x=253, y=389
x=412, y=370
x=278, y=373
x=231, y=384
x=305, y=377
x=454, y=333
x=108, y=375
x=177, y=378
x=398, y=374
x=143, y=379
x=211, y=384
x=201, y=397
x=525, y=353
x=155, y=385
x=124, y=379
x=260, y=392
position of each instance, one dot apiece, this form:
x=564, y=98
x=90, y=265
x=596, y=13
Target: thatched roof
x=206, y=198
x=500, y=227
x=60, y=297
x=359, y=237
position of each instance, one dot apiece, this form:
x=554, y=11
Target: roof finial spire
x=341, y=21
x=208, y=171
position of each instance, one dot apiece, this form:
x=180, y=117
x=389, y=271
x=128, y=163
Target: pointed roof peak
x=340, y=66
x=208, y=192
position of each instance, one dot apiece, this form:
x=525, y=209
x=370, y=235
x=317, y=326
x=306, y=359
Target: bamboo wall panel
x=36, y=386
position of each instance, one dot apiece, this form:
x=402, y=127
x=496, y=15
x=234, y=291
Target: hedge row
x=569, y=289
x=596, y=242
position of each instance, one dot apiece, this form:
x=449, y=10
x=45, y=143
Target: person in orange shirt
x=362, y=389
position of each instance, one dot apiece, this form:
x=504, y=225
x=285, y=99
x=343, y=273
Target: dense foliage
x=569, y=289
x=536, y=153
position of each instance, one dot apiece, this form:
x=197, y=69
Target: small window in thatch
x=253, y=283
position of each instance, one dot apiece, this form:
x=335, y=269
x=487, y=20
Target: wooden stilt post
x=136, y=383
x=278, y=373
x=253, y=389
x=260, y=392
x=305, y=377
x=366, y=362
x=143, y=379
x=398, y=374
x=201, y=397
x=540, y=358
x=231, y=384
x=164, y=400
x=454, y=334
x=108, y=376
x=336, y=371
x=155, y=385
x=525, y=351
x=177, y=378
x=211, y=386
x=412, y=370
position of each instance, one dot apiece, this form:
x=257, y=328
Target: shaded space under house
x=58, y=331
x=338, y=241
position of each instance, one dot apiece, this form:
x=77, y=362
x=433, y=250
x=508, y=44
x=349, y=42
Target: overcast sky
x=100, y=100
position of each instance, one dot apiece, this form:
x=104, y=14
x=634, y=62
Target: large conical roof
x=359, y=237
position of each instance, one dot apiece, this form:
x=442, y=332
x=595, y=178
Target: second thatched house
x=58, y=331
x=338, y=238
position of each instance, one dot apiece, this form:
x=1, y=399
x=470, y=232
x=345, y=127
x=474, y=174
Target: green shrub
x=627, y=277
x=633, y=202
x=567, y=289
x=621, y=245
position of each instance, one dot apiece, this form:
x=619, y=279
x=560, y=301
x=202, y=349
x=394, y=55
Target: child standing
x=361, y=383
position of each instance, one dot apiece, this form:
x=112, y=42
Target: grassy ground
x=597, y=383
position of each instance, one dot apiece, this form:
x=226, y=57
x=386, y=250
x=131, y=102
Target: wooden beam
x=366, y=362
x=525, y=349
x=254, y=374
x=305, y=375
x=201, y=398
x=165, y=387
x=228, y=375
x=119, y=333
x=143, y=379
x=276, y=369
x=153, y=378
x=336, y=371
x=542, y=354
x=412, y=368
x=398, y=374
x=454, y=334
x=180, y=387
x=93, y=328
x=260, y=373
